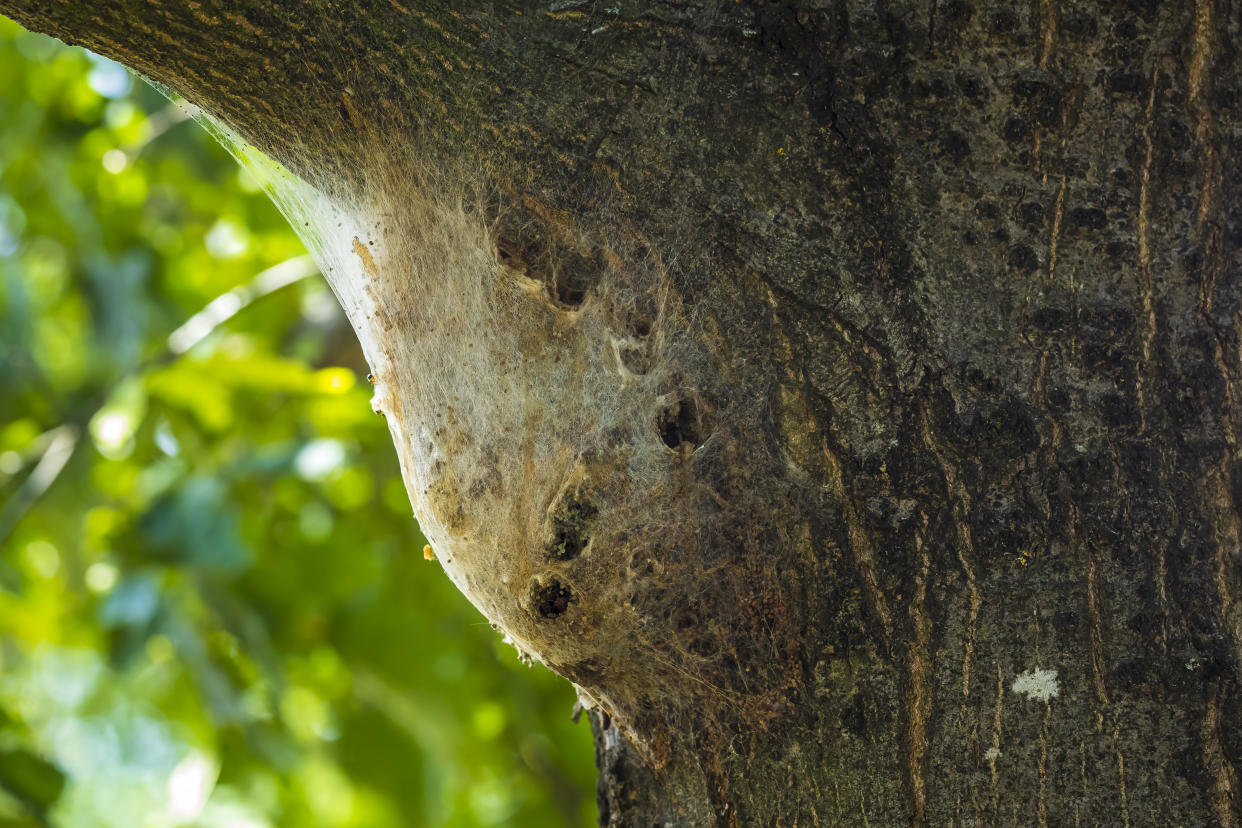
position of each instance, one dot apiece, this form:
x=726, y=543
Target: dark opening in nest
x=551, y=599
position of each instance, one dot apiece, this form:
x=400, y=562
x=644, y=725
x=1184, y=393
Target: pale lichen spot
x=1037, y=684
x=992, y=754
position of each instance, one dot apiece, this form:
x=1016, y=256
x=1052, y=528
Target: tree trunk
x=842, y=394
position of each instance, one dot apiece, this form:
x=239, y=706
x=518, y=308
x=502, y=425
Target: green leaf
x=36, y=782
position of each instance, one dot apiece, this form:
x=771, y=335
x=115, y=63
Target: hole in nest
x=572, y=275
x=550, y=598
x=635, y=358
x=569, y=291
x=508, y=254
x=569, y=526
x=525, y=243
x=681, y=423
x=685, y=620
x=633, y=316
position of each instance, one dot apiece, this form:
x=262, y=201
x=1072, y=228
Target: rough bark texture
x=947, y=302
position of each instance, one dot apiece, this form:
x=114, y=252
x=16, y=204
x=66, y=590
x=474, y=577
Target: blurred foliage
x=214, y=610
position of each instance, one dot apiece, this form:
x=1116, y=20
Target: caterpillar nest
x=526, y=374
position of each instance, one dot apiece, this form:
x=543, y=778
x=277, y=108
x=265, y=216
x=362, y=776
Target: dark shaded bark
x=953, y=404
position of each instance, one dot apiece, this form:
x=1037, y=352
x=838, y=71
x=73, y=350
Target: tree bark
x=848, y=392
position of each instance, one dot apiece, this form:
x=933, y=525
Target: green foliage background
x=213, y=606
